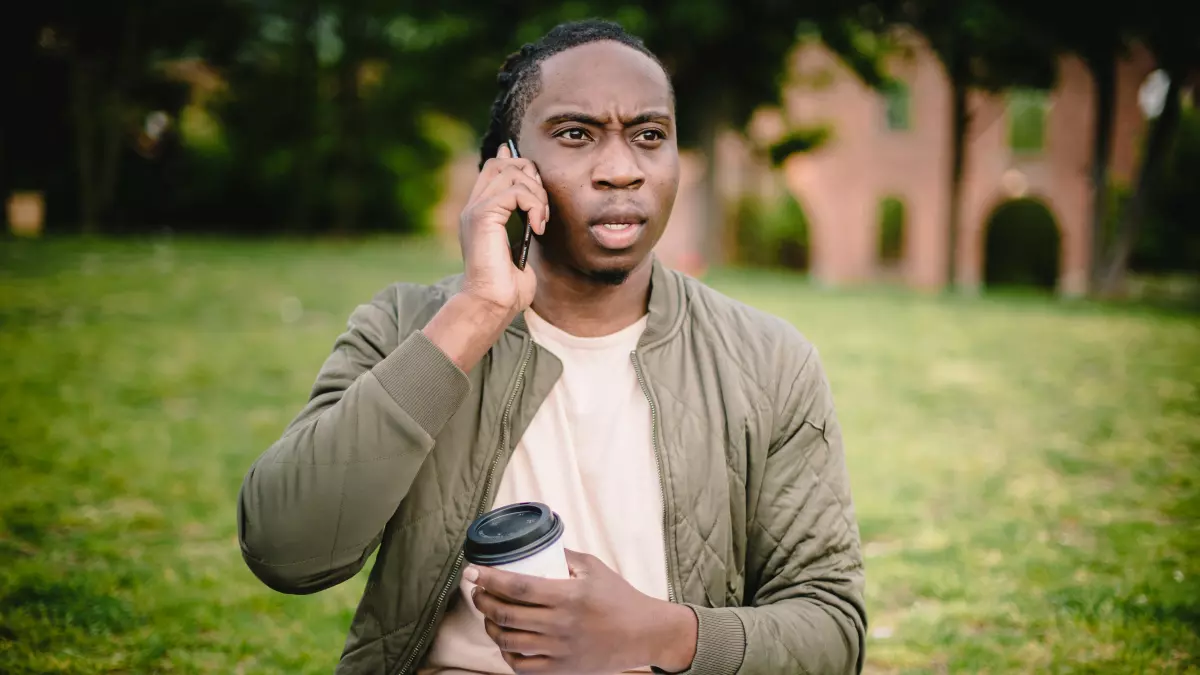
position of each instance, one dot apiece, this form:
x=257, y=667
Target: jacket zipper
x=662, y=478
x=487, y=492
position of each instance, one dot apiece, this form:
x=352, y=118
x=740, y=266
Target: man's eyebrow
x=591, y=120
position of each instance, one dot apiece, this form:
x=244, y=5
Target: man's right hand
x=504, y=185
x=494, y=290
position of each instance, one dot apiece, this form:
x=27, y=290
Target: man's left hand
x=594, y=622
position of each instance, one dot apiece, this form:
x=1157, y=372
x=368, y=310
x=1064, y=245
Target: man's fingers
x=527, y=665
x=522, y=588
x=527, y=166
x=518, y=641
x=512, y=178
x=518, y=197
x=498, y=165
x=507, y=178
x=508, y=615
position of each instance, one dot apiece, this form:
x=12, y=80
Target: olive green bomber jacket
x=399, y=450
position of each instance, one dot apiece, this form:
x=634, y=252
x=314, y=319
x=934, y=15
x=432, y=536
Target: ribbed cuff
x=720, y=642
x=423, y=381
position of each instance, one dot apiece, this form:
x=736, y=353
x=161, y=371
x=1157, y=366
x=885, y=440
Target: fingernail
x=471, y=574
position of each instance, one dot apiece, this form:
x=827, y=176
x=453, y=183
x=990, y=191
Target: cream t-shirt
x=587, y=453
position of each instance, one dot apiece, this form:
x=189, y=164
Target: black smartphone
x=521, y=252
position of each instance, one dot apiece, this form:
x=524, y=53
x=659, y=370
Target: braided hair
x=520, y=76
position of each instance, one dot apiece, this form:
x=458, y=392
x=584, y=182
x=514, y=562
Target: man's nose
x=617, y=167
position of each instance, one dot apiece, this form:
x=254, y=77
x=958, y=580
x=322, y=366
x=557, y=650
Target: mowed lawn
x=1026, y=471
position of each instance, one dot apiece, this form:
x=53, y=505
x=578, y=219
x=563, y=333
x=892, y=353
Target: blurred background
x=984, y=213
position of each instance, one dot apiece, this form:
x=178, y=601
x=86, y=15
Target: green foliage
x=798, y=141
x=1022, y=246
x=774, y=233
x=322, y=126
x=982, y=43
x=1170, y=238
x=150, y=374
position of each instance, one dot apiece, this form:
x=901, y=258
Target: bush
x=771, y=234
x=1169, y=240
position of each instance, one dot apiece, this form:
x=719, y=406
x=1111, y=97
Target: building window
x=891, y=230
x=897, y=104
x=1027, y=119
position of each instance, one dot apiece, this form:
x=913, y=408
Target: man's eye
x=651, y=135
x=573, y=134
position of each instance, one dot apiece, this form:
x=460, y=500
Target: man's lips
x=617, y=235
x=618, y=227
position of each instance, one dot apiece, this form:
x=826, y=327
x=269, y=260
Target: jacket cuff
x=720, y=642
x=423, y=381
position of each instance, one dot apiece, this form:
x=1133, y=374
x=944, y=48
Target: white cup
x=525, y=538
x=549, y=563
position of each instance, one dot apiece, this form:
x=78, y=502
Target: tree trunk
x=83, y=114
x=1104, y=72
x=305, y=192
x=1162, y=131
x=113, y=128
x=712, y=213
x=98, y=112
x=351, y=122
x=958, y=141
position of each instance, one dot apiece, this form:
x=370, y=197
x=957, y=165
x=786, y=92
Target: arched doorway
x=1022, y=246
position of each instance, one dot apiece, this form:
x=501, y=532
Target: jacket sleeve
x=803, y=562
x=313, y=507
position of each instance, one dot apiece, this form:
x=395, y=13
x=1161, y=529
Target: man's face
x=601, y=131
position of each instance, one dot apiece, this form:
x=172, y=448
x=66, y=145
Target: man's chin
x=609, y=277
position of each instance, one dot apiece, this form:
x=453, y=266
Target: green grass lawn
x=1026, y=472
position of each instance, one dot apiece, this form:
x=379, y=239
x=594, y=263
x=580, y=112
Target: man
x=688, y=442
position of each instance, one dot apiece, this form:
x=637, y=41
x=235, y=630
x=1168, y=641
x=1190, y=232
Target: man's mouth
x=617, y=231
x=616, y=236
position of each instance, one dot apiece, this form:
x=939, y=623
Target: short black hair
x=520, y=76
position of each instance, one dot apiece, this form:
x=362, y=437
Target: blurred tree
x=328, y=117
x=111, y=51
x=333, y=112
x=1100, y=42
x=33, y=132
x=981, y=46
x=304, y=98
x=1169, y=31
x=1170, y=238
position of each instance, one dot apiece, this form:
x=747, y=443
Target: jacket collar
x=666, y=307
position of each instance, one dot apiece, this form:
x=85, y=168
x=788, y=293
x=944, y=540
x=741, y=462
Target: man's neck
x=587, y=308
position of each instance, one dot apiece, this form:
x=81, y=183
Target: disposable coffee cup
x=525, y=538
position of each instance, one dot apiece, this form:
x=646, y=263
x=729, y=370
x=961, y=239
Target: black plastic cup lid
x=511, y=533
